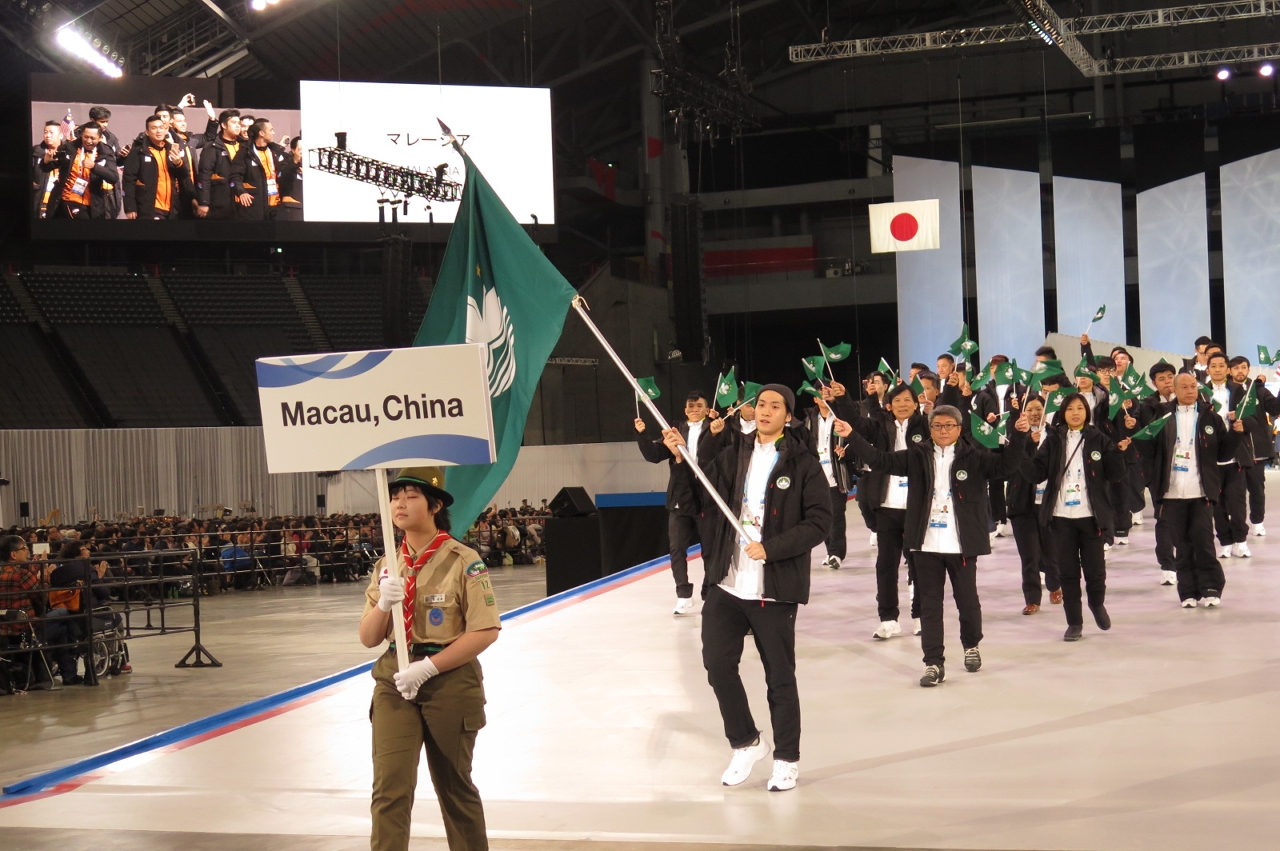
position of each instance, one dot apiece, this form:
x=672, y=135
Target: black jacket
x=1244, y=448
x=880, y=433
x=1214, y=443
x=215, y=179
x=251, y=178
x=654, y=451
x=141, y=172
x=1258, y=424
x=101, y=199
x=1103, y=464
x=839, y=470
x=40, y=180
x=1020, y=490
x=797, y=511
x=970, y=469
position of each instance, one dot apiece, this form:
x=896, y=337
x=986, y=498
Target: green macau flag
x=495, y=287
x=649, y=386
x=727, y=390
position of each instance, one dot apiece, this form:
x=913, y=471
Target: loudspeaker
x=572, y=502
x=24, y=509
x=573, y=551
x=688, y=292
x=159, y=512
x=320, y=502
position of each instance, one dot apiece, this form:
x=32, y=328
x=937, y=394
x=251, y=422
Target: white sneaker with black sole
x=1189, y=603
x=743, y=760
x=1168, y=577
x=887, y=629
x=831, y=562
x=1212, y=602
x=1224, y=551
x=784, y=777
x=1137, y=518
x=915, y=626
x=1259, y=531
x=1240, y=550
x=684, y=605
x=1122, y=540
x=1004, y=530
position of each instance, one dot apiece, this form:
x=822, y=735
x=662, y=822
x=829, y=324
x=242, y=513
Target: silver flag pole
x=579, y=305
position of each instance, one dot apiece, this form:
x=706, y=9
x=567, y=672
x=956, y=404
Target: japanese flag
x=904, y=226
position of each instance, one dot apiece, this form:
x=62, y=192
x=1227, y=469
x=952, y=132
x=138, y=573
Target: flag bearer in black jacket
x=1258, y=433
x=1078, y=463
x=1185, y=477
x=947, y=522
x=758, y=573
x=901, y=425
x=1229, y=517
x=1035, y=545
x=1155, y=406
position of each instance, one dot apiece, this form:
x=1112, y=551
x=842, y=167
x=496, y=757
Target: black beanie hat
x=788, y=397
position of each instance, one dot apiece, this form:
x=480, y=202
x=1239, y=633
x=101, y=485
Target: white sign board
x=421, y=406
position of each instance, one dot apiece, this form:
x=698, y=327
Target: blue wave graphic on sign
x=452, y=448
x=290, y=374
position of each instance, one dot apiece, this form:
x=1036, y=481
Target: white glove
x=390, y=593
x=411, y=678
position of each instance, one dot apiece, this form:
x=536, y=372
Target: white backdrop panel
x=930, y=283
x=1009, y=261
x=1251, y=252
x=1173, y=264
x=1088, y=234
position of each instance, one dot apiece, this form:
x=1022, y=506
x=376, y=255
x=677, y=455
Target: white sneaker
x=888, y=629
x=1241, y=550
x=992, y=536
x=1106, y=548
x=1137, y=518
x=785, y=775
x=744, y=759
x=1004, y=530
x=874, y=542
x=831, y=562
x=1168, y=577
x=1212, y=602
x=915, y=626
x=911, y=592
x=1122, y=540
x=1259, y=531
x=1224, y=551
x=1189, y=603
x=684, y=605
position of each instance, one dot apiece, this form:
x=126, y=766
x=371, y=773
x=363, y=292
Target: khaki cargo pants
x=444, y=717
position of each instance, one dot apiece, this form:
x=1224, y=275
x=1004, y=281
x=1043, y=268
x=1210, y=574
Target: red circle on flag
x=904, y=227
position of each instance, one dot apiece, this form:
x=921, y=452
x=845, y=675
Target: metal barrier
x=495, y=544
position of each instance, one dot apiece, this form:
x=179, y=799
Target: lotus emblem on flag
x=490, y=324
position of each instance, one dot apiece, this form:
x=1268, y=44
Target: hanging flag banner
x=421, y=406
x=904, y=226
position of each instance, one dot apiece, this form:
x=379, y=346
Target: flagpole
x=391, y=561
x=579, y=306
x=823, y=349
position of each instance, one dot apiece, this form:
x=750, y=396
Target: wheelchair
x=110, y=652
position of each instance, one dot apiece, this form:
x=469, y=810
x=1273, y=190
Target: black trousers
x=1078, y=544
x=1190, y=527
x=1255, y=480
x=726, y=619
x=868, y=513
x=995, y=492
x=1038, y=555
x=890, y=532
x=683, y=531
x=932, y=570
x=835, y=537
x=1164, y=540
x=1229, y=517
x=1121, y=506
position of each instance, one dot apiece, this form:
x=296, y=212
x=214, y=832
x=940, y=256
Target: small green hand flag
x=837, y=353
x=750, y=390
x=981, y=380
x=963, y=347
x=887, y=370
x=813, y=367
x=1149, y=431
x=1249, y=404
x=806, y=387
x=988, y=434
x=1020, y=375
x=1132, y=379
x=1043, y=368
x=917, y=386
x=727, y=390
x=1005, y=374
x=1054, y=402
x=1083, y=370
x=1119, y=395
x=650, y=387
x=1101, y=312
x=1264, y=357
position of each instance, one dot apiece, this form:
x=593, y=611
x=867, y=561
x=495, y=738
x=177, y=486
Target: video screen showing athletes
x=378, y=146
x=373, y=152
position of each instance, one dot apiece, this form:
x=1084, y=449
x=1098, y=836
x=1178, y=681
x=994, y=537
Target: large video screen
x=183, y=157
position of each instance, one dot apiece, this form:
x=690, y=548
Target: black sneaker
x=1073, y=633
x=933, y=675
x=972, y=660
x=1101, y=618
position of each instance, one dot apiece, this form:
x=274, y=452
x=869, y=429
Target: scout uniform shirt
x=453, y=596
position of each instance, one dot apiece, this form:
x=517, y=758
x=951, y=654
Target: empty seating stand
x=114, y=329
x=237, y=319
x=350, y=309
x=28, y=378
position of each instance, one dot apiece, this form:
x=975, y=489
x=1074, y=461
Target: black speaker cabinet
x=572, y=502
x=573, y=552
x=320, y=502
x=24, y=509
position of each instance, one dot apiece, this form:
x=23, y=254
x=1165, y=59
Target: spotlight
x=1223, y=74
x=1267, y=69
x=258, y=5
x=77, y=45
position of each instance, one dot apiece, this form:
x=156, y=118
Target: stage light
x=258, y=5
x=1223, y=74
x=77, y=45
x=1267, y=69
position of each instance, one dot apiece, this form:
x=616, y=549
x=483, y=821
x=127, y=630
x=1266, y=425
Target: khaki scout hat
x=430, y=479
